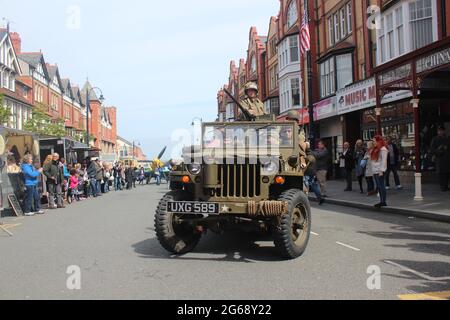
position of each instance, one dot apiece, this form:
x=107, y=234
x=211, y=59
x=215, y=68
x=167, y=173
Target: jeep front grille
x=242, y=180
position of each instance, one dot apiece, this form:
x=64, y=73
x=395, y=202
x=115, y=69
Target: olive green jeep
x=246, y=175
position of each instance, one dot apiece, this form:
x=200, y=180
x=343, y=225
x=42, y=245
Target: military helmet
x=293, y=115
x=251, y=86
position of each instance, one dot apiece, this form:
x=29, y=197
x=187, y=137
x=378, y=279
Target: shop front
x=425, y=74
x=329, y=127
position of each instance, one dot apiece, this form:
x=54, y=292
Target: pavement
x=435, y=206
x=110, y=243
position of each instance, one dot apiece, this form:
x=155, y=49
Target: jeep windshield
x=248, y=136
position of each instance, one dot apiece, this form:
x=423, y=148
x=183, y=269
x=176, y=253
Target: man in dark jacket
x=392, y=163
x=310, y=179
x=322, y=160
x=348, y=164
x=440, y=148
x=55, y=177
x=92, y=173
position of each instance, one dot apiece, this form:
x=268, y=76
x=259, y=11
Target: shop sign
x=396, y=74
x=362, y=95
x=325, y=109
x=433, y=60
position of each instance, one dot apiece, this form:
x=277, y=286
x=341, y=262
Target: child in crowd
x=73, y=186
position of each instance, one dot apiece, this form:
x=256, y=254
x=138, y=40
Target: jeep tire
x=174, y=237
x=293, y=229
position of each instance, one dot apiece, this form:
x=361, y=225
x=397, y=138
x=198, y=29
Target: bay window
x=293, y=49
x=327, y=78
x=344, y=70
x=335, y=73
x=406, y=27
x=290, y=93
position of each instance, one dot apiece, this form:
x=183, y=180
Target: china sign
x=434, y=60
x=362, y=95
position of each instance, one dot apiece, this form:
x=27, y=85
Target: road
x=112, y=241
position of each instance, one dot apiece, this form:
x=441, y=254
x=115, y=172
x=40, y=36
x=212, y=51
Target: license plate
x=183, y=207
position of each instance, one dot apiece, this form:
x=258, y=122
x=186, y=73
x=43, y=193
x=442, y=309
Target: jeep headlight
x=270, y=168
x=194, y=168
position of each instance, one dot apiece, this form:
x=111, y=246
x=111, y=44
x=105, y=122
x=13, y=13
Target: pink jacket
x=73, y=182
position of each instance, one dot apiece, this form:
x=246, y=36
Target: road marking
x=347, y=246
x=417, y=273
x=444, y=295
x=315, y=234
x=10, y=226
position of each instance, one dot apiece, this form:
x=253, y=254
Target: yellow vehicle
x=133, y=163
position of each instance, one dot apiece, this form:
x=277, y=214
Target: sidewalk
x=435, y=206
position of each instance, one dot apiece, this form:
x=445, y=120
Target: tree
x=5, y=113
x=42, y=123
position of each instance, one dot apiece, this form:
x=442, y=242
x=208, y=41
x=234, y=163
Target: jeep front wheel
x=293, y=229
x=175, y=236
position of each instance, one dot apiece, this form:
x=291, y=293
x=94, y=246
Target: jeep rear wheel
x=293, y=229
x=175, y=236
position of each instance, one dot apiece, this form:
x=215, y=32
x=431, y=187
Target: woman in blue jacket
x=31, y=175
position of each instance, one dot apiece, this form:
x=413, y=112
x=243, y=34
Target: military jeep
x=246, y=175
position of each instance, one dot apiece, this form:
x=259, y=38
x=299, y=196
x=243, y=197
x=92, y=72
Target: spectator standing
x=369, y=171
x=92, y=174
x=310, y=178
x=359, y=155
x=440, y=148
x=348, y=164
x=55, y=177
x=392, y=164
x=32, y=204
x=379, y=159
x=322, y=160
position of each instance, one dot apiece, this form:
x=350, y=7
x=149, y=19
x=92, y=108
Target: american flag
x=305, y=39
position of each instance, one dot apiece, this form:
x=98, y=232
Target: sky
x=160, y=63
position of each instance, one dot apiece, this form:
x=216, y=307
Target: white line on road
x=421, y=275
x=347, y=246
x=314, y=234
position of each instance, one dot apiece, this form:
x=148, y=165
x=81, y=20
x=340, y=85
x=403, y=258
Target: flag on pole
x=305, y=39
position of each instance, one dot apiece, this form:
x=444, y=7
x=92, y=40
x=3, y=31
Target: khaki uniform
x=254, y=106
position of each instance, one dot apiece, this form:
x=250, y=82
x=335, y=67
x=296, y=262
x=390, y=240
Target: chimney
x=16, y=42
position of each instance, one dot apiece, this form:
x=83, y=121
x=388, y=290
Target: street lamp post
x=88, y=109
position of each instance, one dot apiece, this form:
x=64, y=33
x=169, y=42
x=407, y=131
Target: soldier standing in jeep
x=252, y=103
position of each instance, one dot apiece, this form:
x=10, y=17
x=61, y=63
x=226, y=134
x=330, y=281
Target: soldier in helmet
x=295, y=116
x=252, y=103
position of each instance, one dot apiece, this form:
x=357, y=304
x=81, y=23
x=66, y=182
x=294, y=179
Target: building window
x=273, y=46
x=406, y=27
x=344, y=67
x=400, y=30
x=292, y=14
x=273, y=81
x=336, y=27
x=421, y=23
x=390, y=36
x=293, y=49
x=343, y=25
x=349, y=17
x=253, y=64
x=330, y=32
x=327, y=78
x=288, y=51
x=381, y=41
x=295, y=91
x=290, y=94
